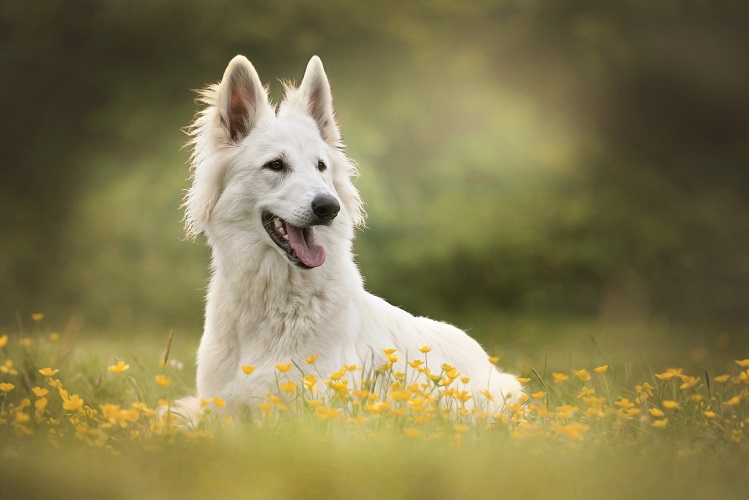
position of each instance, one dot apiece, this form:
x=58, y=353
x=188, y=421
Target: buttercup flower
x=733, y=401
x=582, y=374
x=425, y=349
x=118, y=368
x=283, y=368
x=247, y=369
x=48, y=372
x=6, y=387
x=3, y=340
x=311, y=359
x=74, y=403
x=559, y=377
x=37, y=316
x=162, y=380
x=288, y=387
x=601, y=369
x=39, y=392
x=670, y=405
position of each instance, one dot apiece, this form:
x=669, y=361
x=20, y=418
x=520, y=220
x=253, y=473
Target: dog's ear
x=314, y=98
x=242, y=98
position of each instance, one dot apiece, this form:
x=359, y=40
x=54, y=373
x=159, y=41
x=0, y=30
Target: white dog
x=272, y=193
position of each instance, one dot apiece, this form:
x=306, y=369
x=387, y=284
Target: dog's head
x=279, y=178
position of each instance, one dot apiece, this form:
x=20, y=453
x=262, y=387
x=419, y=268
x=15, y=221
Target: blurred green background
x=518, y=159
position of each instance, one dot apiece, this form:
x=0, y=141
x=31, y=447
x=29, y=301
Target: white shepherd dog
x=272, y=193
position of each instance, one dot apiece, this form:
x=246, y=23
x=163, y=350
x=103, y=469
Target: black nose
x=325, y=207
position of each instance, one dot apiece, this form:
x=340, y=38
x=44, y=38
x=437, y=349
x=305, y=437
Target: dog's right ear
x=242, y=100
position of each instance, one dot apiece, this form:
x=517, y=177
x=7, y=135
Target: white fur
x=261, y=309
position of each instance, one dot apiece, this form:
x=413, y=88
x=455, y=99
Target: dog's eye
x=276, y=165
x=321, y=166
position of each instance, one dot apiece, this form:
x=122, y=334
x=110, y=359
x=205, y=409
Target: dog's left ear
x=314, y=98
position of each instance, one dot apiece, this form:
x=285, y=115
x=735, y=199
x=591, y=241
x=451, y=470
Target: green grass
x=609, y=446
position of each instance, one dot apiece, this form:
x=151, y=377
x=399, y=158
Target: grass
x=618, y=426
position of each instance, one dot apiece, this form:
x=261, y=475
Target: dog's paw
x=186, y=411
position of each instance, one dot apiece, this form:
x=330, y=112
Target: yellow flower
x=669, y=374
x=22, y=418
x=488, y=395
x=425, y=349
x=565, y=411
x=388, y=352
x=656, y=412
x=40, y=392
x=689, y=382
x=311, y=359
x=118, y=368
x=523, y=380
x=573, y=431
x=247, y=369
x=416, y=363
x=37, y=316
x=400, y=395
x=559, y=377
x=25, y=341
x=288, y=387
x=743, y=363
x=283, y=368
x=338, y=375
x=6, y=387
x=461, y=429
x=538, y=395
x=623, y=403
x=411, y=432
x=266, y=406
x=162, y=380
x=722, y=378
x=582, y=374
x=54, y=336
x=48, y=372
x=660, y=424
x=40, y=404
x=3, y=340
x=601, y=369
x=696, y=397
x=493, y=359
x=670, y=405
x=709, y=414
x=733, y=401
x=219, y=402
x=74, y=403
x=309, y=382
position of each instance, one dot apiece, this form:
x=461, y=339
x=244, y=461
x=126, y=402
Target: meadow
x=564, y=180
x=85, y=417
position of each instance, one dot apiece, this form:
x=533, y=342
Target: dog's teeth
x=277, y=223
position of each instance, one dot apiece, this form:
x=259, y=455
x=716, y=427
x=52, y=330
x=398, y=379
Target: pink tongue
x=303, y=243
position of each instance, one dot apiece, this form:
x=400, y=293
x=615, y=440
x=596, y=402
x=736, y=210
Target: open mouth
x=297, y=242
